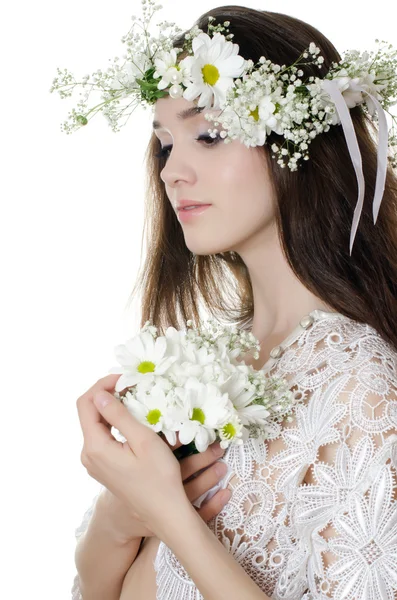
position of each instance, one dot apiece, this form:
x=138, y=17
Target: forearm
x=217, y=575
x=102, y=561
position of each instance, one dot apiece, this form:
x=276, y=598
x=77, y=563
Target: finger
x=105, y=383
x=139, y=436
x=215, y=505
x=191, y=464
x=87, y=411
x=205, y=481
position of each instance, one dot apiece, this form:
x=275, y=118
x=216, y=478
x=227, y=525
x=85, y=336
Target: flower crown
x=253, y=100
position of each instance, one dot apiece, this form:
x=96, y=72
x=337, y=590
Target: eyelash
x=163, y=151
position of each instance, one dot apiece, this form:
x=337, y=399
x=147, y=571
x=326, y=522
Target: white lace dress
x=313, y=512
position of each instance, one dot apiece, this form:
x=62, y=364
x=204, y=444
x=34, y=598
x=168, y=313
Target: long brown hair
x=313, y=216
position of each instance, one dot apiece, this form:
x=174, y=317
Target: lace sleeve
x=76, y=595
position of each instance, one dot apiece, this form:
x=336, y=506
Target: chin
x=206, y=249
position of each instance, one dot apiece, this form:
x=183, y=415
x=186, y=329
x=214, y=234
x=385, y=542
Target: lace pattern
x=313, y=512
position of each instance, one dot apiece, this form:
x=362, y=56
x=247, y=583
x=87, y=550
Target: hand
x=119, y=515
x=126, y=523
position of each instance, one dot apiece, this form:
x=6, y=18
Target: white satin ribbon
x=331, y=87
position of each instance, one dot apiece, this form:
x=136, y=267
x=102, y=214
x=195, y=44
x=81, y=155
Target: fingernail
x=217, y=450
x=220, y=468
x=226, y=495
x=101, y=399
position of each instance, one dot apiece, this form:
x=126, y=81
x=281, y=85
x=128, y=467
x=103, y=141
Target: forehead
x=169, y=111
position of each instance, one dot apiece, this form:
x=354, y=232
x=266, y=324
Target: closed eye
x=209, y=141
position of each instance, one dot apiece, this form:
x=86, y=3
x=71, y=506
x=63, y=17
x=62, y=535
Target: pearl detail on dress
x=306, y=322
x=276, y=352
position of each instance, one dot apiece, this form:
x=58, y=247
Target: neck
x=280, y=299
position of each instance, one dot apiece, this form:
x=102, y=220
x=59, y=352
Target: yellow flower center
x=146, y=367
x=255, y=113
x=153, y=416
x=210, y=74
x=198, y=415
x=229, y=430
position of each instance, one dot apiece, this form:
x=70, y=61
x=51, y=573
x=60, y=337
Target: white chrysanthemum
x=193, y=361
x=176, y=343
x=367, y=82
x=248, y=414
x=212, y=68
x=142, y=359
x=267, y=112
x=205, y=409
x=343, y=81
x=352, y=96
x=233, y=432
x=154, y=410
x=248, y=131
x=169, y=71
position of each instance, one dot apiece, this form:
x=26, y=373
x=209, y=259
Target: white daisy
x=169, y=71
x=142, y=358
x=212, y=68
x=233, y=431
x=205, y=409
x=235, y=388
x=267, y=111
x=367, y=83
x=153, y=410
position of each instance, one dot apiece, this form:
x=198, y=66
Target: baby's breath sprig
x=212, y=333
x=219, y=28
x=189, y=37
x=271, y=97
x=255, y=100
x=123, y=86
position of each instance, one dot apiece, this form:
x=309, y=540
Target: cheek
x=243, y=177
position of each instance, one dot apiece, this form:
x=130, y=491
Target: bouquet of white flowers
x=191, y=383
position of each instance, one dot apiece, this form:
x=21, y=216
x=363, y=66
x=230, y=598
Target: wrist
x=177, y=522
x=113, y=520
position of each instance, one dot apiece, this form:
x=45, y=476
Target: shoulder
x=337, y=362
x=365, y=364
x=335, y=344
x=338, y=335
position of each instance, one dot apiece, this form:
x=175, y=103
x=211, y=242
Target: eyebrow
x=183, y=115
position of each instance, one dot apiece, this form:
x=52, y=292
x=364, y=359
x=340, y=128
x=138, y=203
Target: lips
x=188, y=215
x=192, y=207
x=181, y=204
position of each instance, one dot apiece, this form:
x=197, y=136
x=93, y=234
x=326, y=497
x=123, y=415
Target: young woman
x=312, y=511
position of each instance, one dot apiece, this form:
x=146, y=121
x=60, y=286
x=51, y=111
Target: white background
x=70, y=243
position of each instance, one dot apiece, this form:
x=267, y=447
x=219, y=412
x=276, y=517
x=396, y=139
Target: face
x=232, y=178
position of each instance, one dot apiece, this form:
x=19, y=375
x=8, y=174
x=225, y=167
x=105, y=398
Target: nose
x=178, y=168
